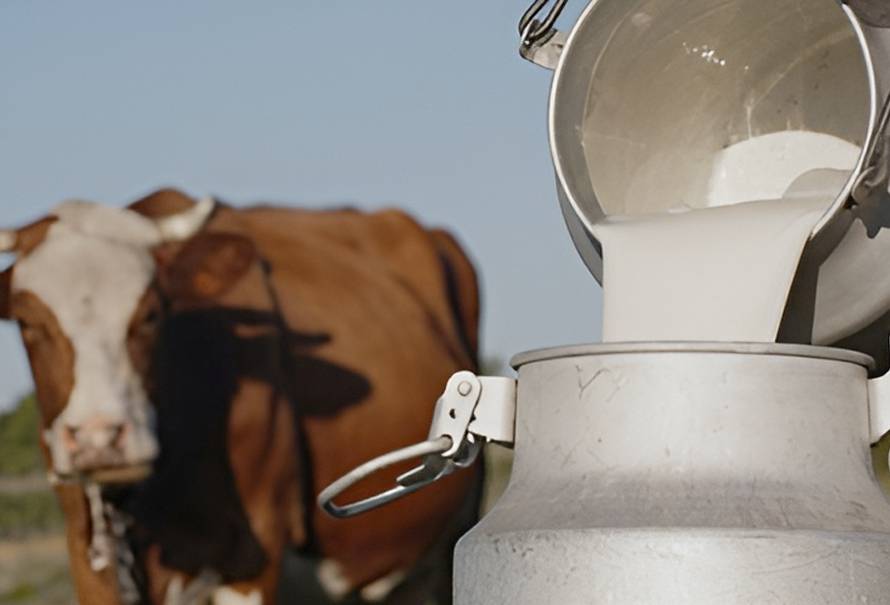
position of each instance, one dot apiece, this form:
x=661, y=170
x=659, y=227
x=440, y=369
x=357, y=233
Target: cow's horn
x=8, y=240
x=185, y=224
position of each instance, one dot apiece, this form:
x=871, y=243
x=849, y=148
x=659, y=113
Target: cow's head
x=81, y=289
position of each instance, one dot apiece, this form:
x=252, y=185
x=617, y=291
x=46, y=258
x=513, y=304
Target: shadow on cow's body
x=281, y=348
x=190, y=506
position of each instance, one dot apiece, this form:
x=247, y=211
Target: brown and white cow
x=251, y=356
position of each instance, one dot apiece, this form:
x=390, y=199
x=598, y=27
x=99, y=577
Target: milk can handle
x=473, y=410
x=531, y=29
x=404, y=484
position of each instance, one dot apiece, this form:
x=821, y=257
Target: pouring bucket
x=665, y=106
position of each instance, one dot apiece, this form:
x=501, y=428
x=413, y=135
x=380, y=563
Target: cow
x=206, y=370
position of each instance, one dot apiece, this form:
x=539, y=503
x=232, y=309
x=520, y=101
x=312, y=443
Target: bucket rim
x=558, y=150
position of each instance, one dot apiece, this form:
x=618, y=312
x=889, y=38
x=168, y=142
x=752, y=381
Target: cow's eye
x=152, y=318
x=151, y=321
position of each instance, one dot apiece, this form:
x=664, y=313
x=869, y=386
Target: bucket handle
x=472, y=411
x=539, y=40
x=534, y=31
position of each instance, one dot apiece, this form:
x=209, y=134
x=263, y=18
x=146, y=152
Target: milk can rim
x=732, y=348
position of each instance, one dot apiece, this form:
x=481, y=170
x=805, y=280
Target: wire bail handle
x=540, y=41
x=472, y=411
x=533, y=31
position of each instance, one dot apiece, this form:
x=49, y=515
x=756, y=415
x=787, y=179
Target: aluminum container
x=646, y=93
x=695, y=474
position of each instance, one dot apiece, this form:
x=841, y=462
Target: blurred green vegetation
x=19, y=440
x=27, y=504
x=22, y=592
x=29, y=513
x=38, y=576
x=33, y=559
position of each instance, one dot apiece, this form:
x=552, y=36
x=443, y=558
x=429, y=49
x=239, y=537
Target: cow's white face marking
x=92, y=270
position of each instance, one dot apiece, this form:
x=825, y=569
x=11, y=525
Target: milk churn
x=718, y=460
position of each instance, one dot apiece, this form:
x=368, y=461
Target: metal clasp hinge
x=540, y=42
x=472, y=411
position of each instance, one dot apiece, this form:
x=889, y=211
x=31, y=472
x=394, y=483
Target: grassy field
x=19, y=448
x=34, y=571
x=27, y=505
x=33, y=561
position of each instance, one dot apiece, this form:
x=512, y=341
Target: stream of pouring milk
x=723, y=272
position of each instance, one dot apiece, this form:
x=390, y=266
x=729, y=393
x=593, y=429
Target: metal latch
x=472, y=411
x=540, y=42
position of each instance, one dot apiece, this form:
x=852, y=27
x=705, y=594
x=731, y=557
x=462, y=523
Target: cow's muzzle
x=104, y=450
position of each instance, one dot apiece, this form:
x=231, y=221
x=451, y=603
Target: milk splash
x=723, y=272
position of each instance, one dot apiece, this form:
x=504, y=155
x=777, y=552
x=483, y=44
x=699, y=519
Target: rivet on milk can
x=722, y=166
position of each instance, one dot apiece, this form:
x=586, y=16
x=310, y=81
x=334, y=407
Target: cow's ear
x=206, y=266
x=5, y=294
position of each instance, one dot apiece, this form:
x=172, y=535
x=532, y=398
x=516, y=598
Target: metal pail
x=647, y=95
x=694, y=474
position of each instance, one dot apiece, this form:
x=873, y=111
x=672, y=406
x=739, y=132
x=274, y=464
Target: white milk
x=724, y=272
x=764, y=167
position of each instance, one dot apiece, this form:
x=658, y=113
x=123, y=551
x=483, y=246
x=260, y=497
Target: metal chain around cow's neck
x=109, y=544
x=125, y=559
x=101, y=549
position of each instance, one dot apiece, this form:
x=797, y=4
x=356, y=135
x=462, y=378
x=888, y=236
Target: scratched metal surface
x=686, y=477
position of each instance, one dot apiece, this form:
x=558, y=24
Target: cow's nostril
x=118, y=432
x=69, y=437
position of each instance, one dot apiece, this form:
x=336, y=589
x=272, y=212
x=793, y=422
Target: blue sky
x=421, y=105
